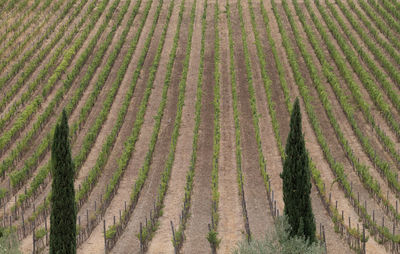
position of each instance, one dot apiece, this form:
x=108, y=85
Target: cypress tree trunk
x=296, y=181
x=63, y=209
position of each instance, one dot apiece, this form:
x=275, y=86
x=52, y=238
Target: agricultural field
x=179, y=112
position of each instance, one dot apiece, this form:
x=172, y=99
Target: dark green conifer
x=63, y=209
x=296, y=180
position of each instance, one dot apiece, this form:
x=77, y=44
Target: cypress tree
x=63, y=209
x=296, y=181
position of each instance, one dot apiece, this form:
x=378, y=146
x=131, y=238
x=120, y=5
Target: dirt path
x=282, y=114
x=55, y=22
x=374, y=111
x=362, y=44
x=270, y=147
x=161, y=242
x=37, y=93
x=8, y=18
x=345, y=125
x=200, y=211
x=107, y=86
x=47, y=128
x=111, y=164
x=384, y=19
x=338, y=110
x=366, y=30
x=36, y=141
x=117, y=66
x=333, y=240
x=42, y=194
x=129, y=243
x=373, y=136
x=358, y=151
x=373, y=24
x=39, y=19
x=332, y=141
x=260, y=217
x=29, y=16
x=231, y=223
x=139, y=153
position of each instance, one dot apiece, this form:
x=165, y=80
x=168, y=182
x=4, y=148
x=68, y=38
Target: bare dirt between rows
x=20, y=35
x=161, y=242
x=47, y=128
x=200, y=211
x=231, y=224
x=259, y=213
x=364, y=47
x=334, y=243
x=330, y=135
x=46, y=100
x=373, y=136
x=95, y=243
x=82, y=133
x=45, y=60
x=345, y=127
x=149, y=191
x=269, y=145
x=112, y=163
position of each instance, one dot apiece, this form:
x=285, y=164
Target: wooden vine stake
x=33, y=239
x=173, y=237
x=363, y=249
x=140, y=238
x=105, y=238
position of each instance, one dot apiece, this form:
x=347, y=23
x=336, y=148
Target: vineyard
x=179, y=112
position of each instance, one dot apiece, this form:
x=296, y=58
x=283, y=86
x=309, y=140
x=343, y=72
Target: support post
x=140, y=238
x=105, y=238
x=173, y=238
x=23, y=225
x=33, y=239
x=45, y=228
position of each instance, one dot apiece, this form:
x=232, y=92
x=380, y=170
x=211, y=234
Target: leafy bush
x=9, y=243
x=279, y=242
x=213, y=239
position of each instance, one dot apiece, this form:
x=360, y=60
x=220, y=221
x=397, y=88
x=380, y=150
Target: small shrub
x=278, y=241
x=213, y=239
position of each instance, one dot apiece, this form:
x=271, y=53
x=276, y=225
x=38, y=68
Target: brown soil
x=138, y=156
x=231, y=223
x=259, y=213
x=357, y=149
x=149, y=191
x=38, y=91
x=374, y=111
x=47, y=189
x=329, y=133
x=371, y=55
x=161, y=242
x=200, y=210
x=375, y=141
x=371, y=21
x=270, y=146
x=345, y=126
x=384, y=19
x=109, y=82
x=231, y=220
x=45, y=43
x=333, y=240
x=125, y=131
x=33, y=17
x=7, y=18
x=36, y=142
x=48, y=127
